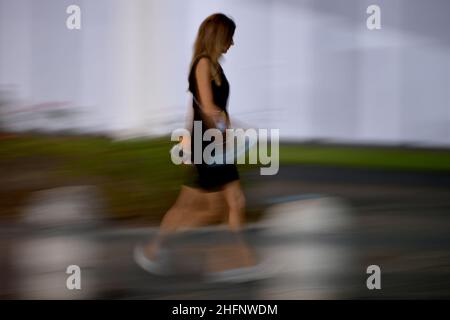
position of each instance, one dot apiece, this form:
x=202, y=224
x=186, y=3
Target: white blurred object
x=312, y=267
x=56, y=221
x=64, y=206
x=315, y=215
x=41, y=264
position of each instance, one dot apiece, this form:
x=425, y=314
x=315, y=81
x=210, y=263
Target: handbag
x=228, y=150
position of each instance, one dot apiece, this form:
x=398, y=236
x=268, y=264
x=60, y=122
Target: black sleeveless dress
x=210, y=177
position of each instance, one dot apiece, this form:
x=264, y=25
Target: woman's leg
x=235, y=200
x=175, y=217
x=210, y=209
x=239, y=252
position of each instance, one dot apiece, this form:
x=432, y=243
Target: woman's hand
x=221, y=121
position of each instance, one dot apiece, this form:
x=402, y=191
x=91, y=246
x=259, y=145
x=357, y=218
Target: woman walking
x=218, y=183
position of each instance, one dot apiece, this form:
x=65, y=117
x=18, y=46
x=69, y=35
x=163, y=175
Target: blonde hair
x=214, y=34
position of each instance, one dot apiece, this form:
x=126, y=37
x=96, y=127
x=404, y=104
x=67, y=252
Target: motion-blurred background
x=364, y=119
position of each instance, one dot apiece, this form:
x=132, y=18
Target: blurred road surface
x=323, y=227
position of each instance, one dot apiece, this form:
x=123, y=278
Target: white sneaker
x=244, y=274
x=146, y=263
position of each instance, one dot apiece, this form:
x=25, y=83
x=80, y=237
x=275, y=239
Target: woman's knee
x=234, y=196
x=237, y=201
x=241, y=200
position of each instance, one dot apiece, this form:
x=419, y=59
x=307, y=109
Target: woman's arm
x=213, y=114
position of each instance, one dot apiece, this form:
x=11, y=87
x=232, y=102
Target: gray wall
x=310, y=68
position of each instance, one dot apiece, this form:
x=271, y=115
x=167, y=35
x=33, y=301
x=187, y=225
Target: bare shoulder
x=203, y=66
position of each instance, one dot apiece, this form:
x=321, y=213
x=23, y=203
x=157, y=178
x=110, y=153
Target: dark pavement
x=322, y=228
